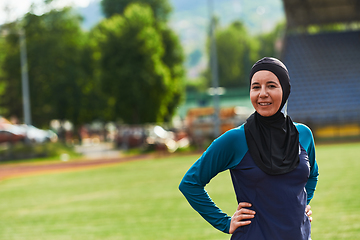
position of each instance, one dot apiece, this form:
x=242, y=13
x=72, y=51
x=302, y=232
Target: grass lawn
x=140, y=200
x=336, y=205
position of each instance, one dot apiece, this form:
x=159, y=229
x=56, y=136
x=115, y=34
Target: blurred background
x=90, y=83
x=166, y=75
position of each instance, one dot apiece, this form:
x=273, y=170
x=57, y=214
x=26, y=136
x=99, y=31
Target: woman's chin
x=266, y=113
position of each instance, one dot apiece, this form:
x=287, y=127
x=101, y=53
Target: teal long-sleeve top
x=279, y=201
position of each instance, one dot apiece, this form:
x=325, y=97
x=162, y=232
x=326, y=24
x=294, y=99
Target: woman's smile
x=264, y=104
x=265, y=93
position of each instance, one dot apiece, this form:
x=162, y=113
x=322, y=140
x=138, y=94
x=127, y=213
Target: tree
x=236, y=52
x=268, y=41
x=139, y=86
x=55, y=45
x=173, y=58
x=11, y=76
x=161, y=8
x=2, y=79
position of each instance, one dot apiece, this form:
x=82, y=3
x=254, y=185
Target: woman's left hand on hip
x=308, y=212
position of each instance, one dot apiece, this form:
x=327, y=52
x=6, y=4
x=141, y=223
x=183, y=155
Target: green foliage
x=329, y=27
x=237, y=51
x=269, y=40
x=128, y=67
x=62, y=73
x=92, y=98
x=2, y=82
x=54, y=50
x=10, y=71
x=132, y=52
x=21, y=152
x=161, y=8
x=196, y=85
x=173, y=58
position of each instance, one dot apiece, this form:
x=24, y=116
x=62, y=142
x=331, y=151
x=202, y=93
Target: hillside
x=190, y=20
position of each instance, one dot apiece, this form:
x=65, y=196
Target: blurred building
x=321, y=50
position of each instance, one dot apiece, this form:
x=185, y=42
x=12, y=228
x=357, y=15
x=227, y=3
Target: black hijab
x=273, y=141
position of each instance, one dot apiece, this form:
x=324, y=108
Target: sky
x=17, y=8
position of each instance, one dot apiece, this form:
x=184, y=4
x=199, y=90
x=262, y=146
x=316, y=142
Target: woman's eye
x=255, y=87
x=272, y=86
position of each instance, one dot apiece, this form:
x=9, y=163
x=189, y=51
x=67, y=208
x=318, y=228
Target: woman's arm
x=314, y=170
x=220, y=155
x=307, y=141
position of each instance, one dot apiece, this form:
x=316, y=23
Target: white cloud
x=17, y=8
x=78, y=3
x=10, y=9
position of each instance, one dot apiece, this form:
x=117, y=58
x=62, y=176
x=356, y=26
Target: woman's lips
x=264, y=104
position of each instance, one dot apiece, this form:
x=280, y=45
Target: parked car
x=130, y=137
x=163, y=139
x=38, y=135
x=14, y=133
x=11, y=135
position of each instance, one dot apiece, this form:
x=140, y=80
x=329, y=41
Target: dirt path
x=25, y=169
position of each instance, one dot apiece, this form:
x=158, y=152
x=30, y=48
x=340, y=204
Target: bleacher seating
x=325, y=77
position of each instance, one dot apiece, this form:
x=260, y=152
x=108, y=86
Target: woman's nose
x=263, y=92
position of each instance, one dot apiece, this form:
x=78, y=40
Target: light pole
x=25, y=78
x=214, y=70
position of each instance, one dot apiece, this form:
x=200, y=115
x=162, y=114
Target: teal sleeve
x=307, y=141
x=224, y=153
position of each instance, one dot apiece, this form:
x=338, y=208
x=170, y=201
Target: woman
x=271, y=162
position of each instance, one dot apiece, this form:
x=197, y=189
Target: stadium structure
x=324, y=66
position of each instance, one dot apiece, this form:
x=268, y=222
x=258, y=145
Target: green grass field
x=141, y=200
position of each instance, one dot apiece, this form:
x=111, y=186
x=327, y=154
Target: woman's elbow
x=182, y=186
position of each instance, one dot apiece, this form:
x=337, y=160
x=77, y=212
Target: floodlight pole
x=25, y=78
x=214, y=70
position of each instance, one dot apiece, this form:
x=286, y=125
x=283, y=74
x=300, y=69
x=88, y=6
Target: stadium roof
x=324, y=71
x=318, y=12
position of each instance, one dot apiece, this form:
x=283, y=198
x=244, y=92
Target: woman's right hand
x=241, y=214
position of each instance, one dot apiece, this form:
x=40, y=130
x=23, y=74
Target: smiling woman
x=265, y=93
x=271, y=162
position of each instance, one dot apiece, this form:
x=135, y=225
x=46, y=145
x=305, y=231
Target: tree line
x=237, y=51
x=129, y=67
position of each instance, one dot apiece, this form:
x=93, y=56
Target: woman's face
x=265, y=93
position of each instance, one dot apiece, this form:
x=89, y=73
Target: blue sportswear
x=278, y=200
